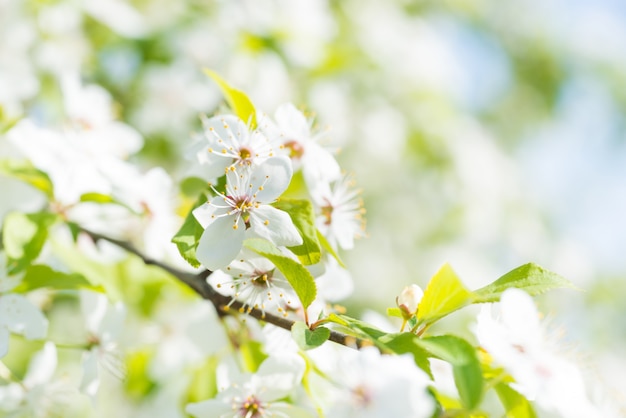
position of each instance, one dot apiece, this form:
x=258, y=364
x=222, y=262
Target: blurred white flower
x=375, y=385
x=260, y=394
x=104, y=323
x=517, y=341
x=339, y=211
x=244, y=211
x=38, y=395
x=293, y=131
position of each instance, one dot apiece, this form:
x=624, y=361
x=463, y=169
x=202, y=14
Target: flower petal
x=274, y=225
x=220, y=243
x=211, y=408
x=206, y=213
x=271, y=178
x=19, y=315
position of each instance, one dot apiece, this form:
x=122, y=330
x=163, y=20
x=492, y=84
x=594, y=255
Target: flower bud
x=409, y=299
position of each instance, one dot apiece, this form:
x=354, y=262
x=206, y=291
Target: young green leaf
x=24, y=171
x=307, y=338
x=187, y=237
x=466, y=369
x=516, y=405
x=296, y=274
x=444, y=294
x=326, y=246
x=404, y=342
x=23, y=237
x=237, y=100
x=530, y=277
x=301, y=213
x=38, y=276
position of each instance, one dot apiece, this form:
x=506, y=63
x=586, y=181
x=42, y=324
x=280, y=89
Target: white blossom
x=244, y=211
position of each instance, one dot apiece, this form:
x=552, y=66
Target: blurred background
x=483, y=134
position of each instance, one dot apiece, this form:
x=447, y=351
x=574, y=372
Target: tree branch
x=225, y=305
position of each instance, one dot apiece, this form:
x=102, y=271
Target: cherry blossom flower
x=375, y=385
x=517, y=341
x=340, y=212
x=409, y=300
x=260, y=394
x=244, y=211
x=228, y=143
x=255, y=281
x=39, y=394
x=293, y=131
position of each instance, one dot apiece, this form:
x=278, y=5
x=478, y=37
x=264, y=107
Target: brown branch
x=225, y=305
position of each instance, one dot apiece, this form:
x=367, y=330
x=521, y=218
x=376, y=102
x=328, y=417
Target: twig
x=225, y=305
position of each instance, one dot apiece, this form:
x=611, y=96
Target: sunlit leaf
x=237, y=100
x=444, y=294
x=23, y=237
x=307, y=338
x=301, y=213
x=187, y=237
x=530, y=277
x=298, y=276
x=24, y=171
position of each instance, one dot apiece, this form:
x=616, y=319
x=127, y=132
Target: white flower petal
x=90, y=382
x=220, y=243
x=274, y=175
x=42, y=366
x=274, y=225
x=19, y=315
x=211, y=408
x=292, y=121
x=206, y=213
x=4, y=341
x=93, y=306
x=319, y=165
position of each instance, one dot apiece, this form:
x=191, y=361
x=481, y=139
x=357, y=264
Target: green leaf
x=326, y=246
x=252, y=355
x=26, y=172
x=237, y=100
x=466, y=369
x=303, y=217
x=363, y=329
x=203, y=383
x=530, y=277
x=23, y=237
x=444, y=294
x=307, y=338
x=516, y=405
x=404, y=342
x=38, y=276
x=187, y=237
x=194, y=186
x=138, y=383
x=97, y=198
x=296, y=274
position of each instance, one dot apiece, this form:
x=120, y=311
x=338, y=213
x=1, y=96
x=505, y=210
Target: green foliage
x=24, y=171
x=296, y=274
x=23, y=237
x=307, y=338
x=187, y=237
x=516, y=405
x=466, y=368
x=404, y=342
x=301, y=213
x=444, y=294
x=530, y=277
x=138, y=382
x=38, y=276
x=194, y=186
x=328, y=248
x=203, y=383
x=252, y=355
x=237, y=100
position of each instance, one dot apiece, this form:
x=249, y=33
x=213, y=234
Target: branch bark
x=224, y=305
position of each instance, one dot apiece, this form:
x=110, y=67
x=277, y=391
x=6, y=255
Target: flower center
x=327, y=213
x=362, y=396
x=296, y=150
x=245, y=153
x=262, y=278
x=251, y=408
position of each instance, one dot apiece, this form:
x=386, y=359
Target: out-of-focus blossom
x=409, y=300
x=104, y=323
x=39, y=394
x=339, y=212
x=260, y=394
x=517, y=341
